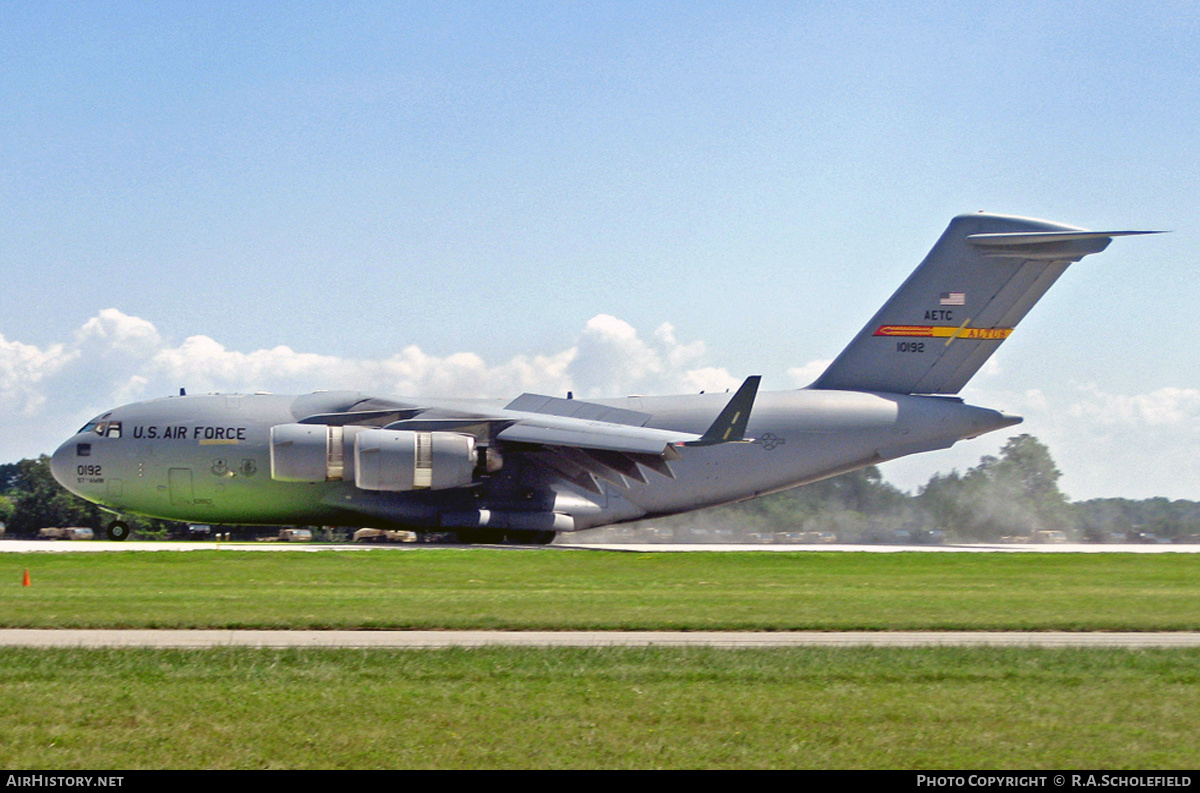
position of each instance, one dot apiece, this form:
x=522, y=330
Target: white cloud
x=614, y=360
x=709, y=378
x=112, y=331
x=24, y=369
x=809, y=372
x=678, y=355
x=1179, y=407
x=115, y=358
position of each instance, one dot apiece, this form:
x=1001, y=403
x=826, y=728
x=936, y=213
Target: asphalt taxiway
x=416, y=640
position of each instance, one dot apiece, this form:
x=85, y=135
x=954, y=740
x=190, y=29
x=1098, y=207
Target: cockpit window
x=105, y=429
x=102, y=427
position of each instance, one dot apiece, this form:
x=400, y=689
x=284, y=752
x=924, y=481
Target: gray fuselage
x=207, y=459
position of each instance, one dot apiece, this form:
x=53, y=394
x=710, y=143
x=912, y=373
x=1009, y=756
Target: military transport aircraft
x=538, y=465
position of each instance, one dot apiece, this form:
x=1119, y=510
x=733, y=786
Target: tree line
x=32, y=499
x=1012, y=495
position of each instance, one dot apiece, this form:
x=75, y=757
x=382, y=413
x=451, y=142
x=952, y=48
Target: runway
x=418, y=640
x=100, y=546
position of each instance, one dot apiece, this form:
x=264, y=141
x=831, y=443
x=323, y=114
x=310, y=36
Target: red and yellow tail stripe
x=944, y=332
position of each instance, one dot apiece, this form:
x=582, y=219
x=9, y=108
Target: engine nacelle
x=406, y=460
x=307, y=452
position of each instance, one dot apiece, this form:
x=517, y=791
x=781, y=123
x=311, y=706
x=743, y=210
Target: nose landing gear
x=117, y=531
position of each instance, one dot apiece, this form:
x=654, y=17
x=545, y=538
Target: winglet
x=731, y=423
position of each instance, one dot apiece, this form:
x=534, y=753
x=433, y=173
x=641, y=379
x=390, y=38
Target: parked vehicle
x=66, y=533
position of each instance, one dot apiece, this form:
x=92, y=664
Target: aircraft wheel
x=118, y=530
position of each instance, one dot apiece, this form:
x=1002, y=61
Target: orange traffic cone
x=25, y=582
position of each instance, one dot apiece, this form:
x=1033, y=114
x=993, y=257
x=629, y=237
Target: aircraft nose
x=62, y=464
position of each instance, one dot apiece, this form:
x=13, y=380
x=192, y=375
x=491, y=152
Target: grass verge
x=600, y=708
x=560, y=590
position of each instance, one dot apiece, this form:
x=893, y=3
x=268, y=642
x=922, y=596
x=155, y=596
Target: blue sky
x=484, y=198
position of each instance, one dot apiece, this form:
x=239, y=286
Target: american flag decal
x=952, y=299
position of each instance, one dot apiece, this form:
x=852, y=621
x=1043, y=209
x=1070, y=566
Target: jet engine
x=406, y=460
x=307, y=453
x=374, y=459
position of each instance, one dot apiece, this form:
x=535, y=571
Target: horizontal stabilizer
x=1060, y=245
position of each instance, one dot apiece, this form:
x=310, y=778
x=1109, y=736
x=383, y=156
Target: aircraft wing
x=574, y=433
x=548, y=430
x=569, y=422
x=581, y=441
x=585, y=443
x=585, y=452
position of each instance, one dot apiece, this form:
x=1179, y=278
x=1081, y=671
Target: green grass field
x=552, y=589
x=600, y=708
x=923, y=708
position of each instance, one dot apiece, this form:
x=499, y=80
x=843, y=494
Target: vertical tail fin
x=960, y=304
